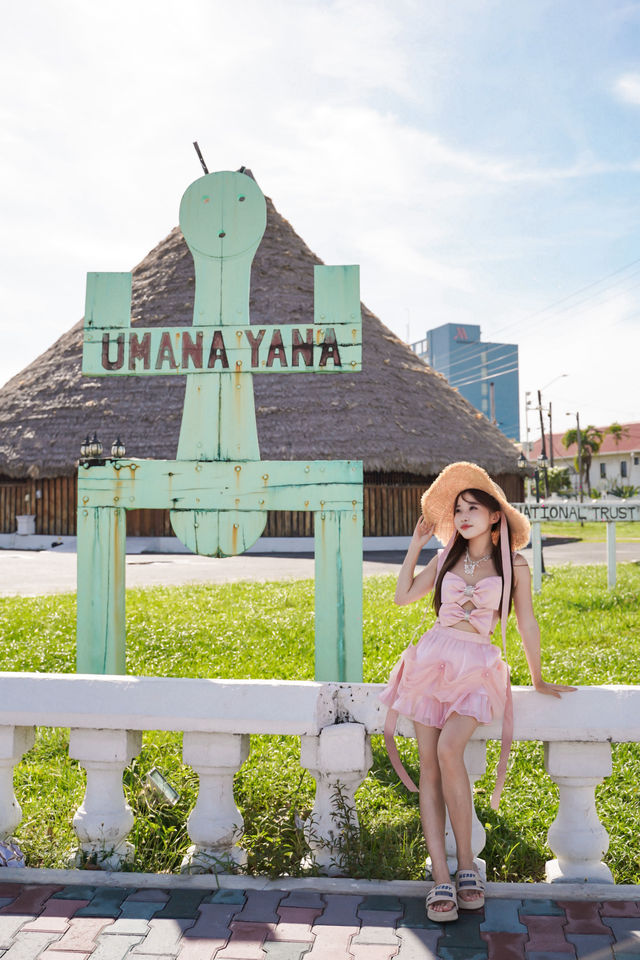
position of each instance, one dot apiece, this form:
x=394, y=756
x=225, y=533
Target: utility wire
x=476, y=360
x=466, y=383
x=510, y=363
x=569, y=296
x=479, y=361
x=587, y=301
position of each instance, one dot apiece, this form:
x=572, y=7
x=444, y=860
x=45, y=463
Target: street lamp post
x=527, y=407
x=579, y=442
x=540, y=410
x=541, y=465
x=579, y=437
x=536, y=538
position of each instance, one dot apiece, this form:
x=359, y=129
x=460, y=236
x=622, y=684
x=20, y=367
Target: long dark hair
x=460, y=545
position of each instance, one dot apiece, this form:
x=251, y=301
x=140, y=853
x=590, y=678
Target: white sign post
x=605, y=511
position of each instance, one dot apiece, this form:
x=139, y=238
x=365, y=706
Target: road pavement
x=33, y=572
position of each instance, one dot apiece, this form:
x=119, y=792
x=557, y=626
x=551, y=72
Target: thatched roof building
x=397, y=415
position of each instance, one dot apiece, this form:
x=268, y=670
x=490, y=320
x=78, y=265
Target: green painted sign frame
x=217, y=489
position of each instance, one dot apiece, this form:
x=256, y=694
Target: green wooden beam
x=245, y=485
x=101, y=590
x=336, y=295
x=107, y=301
x=338, y=595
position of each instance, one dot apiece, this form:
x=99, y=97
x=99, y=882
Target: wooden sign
x=600, y=511
x=217, y=489
x=178, y=350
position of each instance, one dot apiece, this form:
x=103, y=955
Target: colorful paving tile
x=93, y=922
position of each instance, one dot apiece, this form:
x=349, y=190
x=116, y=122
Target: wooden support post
x=102, y=535
x=611, y=555
x=536, y=540
x=338, y=599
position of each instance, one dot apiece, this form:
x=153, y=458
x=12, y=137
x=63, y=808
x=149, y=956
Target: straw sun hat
x=438, y=501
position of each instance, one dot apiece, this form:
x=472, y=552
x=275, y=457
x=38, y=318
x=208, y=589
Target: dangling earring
x=495, y=536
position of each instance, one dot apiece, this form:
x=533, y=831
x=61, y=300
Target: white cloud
x=627, y=88
x=320, y=99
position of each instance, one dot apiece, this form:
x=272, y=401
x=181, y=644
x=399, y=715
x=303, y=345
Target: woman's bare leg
x=432, y=807
x=456, y=789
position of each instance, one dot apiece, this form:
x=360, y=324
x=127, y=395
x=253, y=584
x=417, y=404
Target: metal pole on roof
x=543, y=450
x=579, y=436
x=200, y=157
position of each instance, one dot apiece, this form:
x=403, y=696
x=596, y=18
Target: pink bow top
x=484, y=595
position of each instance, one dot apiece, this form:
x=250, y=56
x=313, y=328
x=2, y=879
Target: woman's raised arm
x=409, y=587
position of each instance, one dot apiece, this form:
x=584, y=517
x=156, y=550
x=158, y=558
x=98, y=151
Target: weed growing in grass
x=590, y=635
x=275, y=796
x=160, y=830
x=385, y=845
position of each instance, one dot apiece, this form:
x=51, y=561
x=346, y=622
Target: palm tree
x=591, y=440
x=618, y=432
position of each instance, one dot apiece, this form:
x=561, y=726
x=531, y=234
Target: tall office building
x=485, y=373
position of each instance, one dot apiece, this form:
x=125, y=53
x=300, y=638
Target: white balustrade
x=576, y=836
x=14, y=742
x=338, y=760
x=104, y=819
x=334, y=721
x=215, y=824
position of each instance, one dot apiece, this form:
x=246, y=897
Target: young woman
x=454, y=678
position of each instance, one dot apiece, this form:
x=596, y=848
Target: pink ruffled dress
x=451, y=670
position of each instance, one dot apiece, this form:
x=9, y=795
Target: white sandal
x=442, y=893
x=470, y=880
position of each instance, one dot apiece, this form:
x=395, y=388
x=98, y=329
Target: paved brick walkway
x=110, y=923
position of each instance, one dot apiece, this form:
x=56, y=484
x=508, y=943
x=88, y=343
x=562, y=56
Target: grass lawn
x=590, y=635
x=592, y=532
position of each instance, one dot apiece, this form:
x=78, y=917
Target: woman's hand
x=552, y=689
x=410, y=587
x=422, y=533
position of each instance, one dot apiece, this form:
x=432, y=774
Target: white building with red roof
x=616, y=464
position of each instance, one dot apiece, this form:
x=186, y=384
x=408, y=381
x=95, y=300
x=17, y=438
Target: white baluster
x=338, y=759
x=14, y=742
x=104, y=820
x=215, y=824
x=576, y=836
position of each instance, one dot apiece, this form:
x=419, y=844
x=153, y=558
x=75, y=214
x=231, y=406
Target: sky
x=480, y=160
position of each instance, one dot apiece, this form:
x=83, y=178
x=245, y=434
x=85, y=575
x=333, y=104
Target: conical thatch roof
x=397, y=415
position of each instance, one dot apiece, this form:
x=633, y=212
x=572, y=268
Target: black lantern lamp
x=91, y=452
x=524, y=466
x=540, y=464
x=95, y=447
x=543, y=464
x=118, y=449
